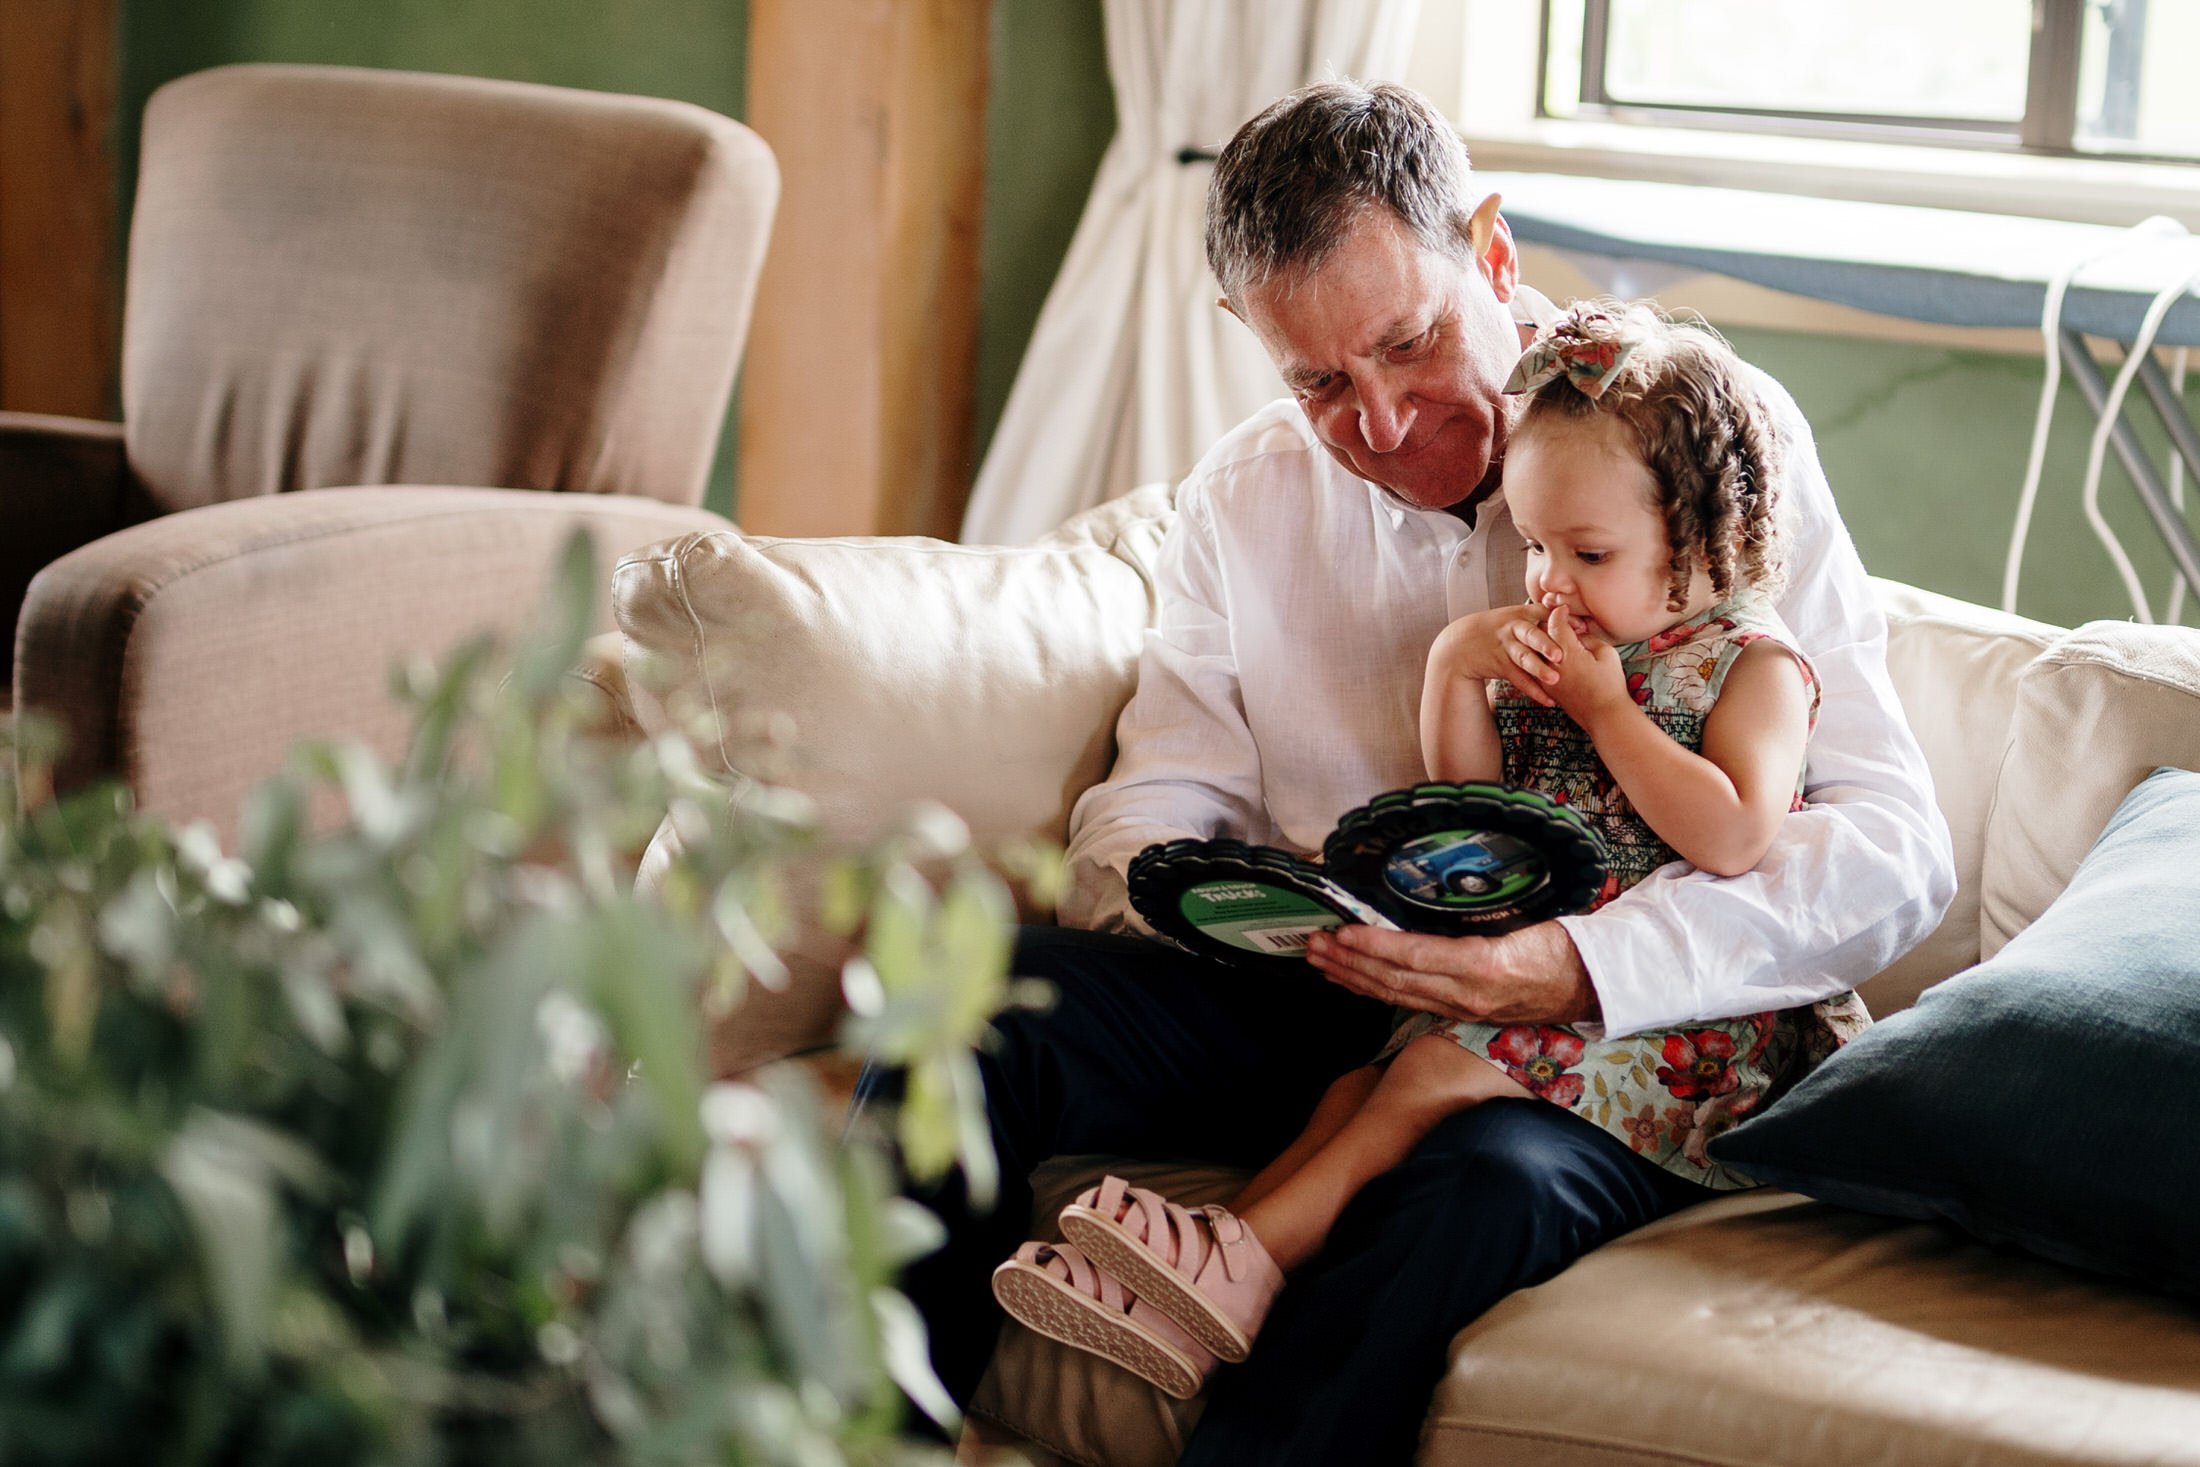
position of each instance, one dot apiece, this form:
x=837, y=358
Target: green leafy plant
x=388, y=1137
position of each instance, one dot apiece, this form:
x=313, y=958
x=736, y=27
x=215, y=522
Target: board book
x=1452, y=859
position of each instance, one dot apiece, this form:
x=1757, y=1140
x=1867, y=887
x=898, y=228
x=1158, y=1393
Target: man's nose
x=1385, y=418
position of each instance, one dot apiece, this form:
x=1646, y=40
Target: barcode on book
x=1281, y=939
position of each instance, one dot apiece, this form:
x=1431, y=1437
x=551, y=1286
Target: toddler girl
x=1643, y=475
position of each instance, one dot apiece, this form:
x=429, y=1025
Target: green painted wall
x=690, y=50
x=1925, y=448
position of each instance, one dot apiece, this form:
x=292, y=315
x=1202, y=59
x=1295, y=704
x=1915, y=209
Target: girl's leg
x=1338, y=1105
x=1428, y=1080
x=1496, y=1198
x=1146, y=1051
x=1214, y=1272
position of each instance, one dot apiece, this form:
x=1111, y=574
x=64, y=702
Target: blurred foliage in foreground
x=388, y=1138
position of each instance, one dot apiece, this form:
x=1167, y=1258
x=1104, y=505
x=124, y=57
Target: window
x=2093, y=77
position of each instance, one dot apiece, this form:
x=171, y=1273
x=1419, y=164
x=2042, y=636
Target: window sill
x=2087, y=190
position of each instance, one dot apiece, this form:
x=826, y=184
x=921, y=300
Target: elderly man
x=1319, y=549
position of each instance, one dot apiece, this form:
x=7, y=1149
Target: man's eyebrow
x=1402, y=328
x=1405, y=328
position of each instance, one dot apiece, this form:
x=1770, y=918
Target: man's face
x=1398, y=354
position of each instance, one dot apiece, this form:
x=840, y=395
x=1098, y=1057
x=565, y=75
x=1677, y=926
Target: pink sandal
x=1202, y=1267
x=1055, y=1290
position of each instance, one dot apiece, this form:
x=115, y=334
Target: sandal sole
x=1109, y=1244
x=1039, y=1301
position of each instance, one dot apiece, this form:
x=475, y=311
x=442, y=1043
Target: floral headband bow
x=1590, y=363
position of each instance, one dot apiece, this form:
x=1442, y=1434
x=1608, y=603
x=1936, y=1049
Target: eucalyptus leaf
x=901, y=915
x=200, y=852
x=389, y=1138
x=975, y=923
x=730, y=910
x=926, y=1126
x=271, y=823
x=728, y=1203
x=138, y=926
x=844, y=893
x=909, y=1230
x=72, y=986
x=909, y=1358
x=973, y=1138
x=229, y=1195
x=543, y=662
x=443, y=703
x=313, y=1002
x=375, y=803
x=934, y=832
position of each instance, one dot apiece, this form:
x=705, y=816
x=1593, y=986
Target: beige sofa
x=1759, y=1328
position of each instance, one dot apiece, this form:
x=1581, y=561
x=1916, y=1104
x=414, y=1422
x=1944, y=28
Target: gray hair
x=1297, y=179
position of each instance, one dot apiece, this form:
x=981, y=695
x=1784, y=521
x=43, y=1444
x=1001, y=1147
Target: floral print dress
x=1666, y=1093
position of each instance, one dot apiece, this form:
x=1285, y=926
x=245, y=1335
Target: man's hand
x=1510, y=642
x=1533, y=976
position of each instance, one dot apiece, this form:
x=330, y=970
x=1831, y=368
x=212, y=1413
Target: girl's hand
x=1510, y=642
x=1552, y=602
x=1590, y=683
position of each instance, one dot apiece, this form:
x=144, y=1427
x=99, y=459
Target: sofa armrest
x=64, y=482
x=187, y=654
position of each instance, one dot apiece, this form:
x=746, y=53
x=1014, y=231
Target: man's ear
x=1490, y=237
x=1482, y=225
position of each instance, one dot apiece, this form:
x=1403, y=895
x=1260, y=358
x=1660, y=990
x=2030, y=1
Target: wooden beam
x=60, y=291
x=856, y=397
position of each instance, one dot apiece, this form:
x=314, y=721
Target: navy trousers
x=1150, y=1052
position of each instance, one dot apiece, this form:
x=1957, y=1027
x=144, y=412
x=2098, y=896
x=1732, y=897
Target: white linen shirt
x=1280, y=686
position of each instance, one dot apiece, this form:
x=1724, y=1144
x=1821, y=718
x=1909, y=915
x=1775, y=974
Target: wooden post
x=856, y=396
x=60, y=293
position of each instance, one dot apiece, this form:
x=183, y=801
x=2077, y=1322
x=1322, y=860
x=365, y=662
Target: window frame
x=2049, y=125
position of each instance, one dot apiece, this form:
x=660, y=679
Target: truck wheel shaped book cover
x=1451, y=859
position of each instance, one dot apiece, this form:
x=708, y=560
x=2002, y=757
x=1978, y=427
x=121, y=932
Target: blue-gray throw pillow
x=2048, y=1098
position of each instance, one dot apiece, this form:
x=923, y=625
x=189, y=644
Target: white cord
x=2050, y=331
x=2173, y=611
x=2149, y=327
x=2153, y=227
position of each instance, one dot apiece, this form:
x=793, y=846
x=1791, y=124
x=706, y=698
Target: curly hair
x=1701, y=429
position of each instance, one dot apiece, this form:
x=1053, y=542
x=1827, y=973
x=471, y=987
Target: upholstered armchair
x=342, y=278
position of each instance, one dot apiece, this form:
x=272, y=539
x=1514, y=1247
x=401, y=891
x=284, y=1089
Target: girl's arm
x=1720, y=809
x=1458, y=730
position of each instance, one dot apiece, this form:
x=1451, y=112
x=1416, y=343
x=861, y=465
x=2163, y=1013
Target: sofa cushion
x=1956, y=668
x=871, y=673
x=1768, y=1329
x=1835, y=1338
x=2106, y=705
x=2045, y=1097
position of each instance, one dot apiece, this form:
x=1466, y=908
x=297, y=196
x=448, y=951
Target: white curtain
x=1133, y=371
